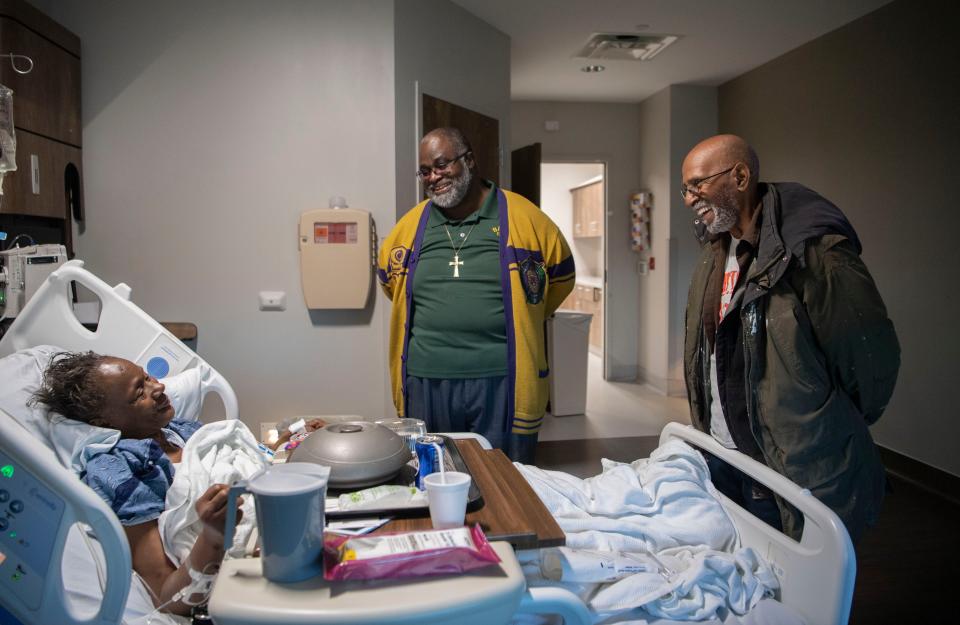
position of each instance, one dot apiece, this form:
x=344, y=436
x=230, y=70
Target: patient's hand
x=315, y=424
x=212, y=509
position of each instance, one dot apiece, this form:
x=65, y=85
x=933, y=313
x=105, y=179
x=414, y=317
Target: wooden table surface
x=511, y=511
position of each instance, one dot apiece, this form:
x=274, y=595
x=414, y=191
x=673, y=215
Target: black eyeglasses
x=440, y=168
x=694, y=186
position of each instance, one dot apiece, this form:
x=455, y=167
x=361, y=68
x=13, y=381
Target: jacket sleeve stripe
x=563, y=268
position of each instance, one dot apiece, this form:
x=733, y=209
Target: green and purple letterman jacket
x=536, y=273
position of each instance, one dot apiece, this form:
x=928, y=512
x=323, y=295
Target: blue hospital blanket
x=134, y=476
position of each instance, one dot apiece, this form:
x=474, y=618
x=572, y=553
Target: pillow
x=74, y=442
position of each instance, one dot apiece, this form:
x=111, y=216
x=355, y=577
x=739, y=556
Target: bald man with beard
x=789, y=355
x=472, y=273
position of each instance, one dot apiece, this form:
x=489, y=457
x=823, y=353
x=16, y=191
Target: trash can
x=568, y=344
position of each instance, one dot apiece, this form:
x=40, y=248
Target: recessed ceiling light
x=592, y=68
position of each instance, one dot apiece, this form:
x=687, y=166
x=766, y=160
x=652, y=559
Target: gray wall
x=453, y=56
x=601, y=133
x=206, y=133
x=693, y=118
x=868, y=116
x=671, y=122
x=653, y=139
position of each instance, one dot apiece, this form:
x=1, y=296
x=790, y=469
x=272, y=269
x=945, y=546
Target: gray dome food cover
x=359, y=453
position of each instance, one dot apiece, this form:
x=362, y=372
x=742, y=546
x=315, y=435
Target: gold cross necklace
x=456, y=262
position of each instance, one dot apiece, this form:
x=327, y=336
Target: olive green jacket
x=821, y=357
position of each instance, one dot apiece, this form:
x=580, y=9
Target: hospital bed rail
x=123, y=330
x=32, y=476
x=817, y=573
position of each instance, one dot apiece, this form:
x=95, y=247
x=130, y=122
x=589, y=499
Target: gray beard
x=725, y=215
x=458, y=190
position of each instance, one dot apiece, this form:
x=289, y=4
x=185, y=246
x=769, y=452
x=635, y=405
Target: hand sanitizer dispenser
x=336, y=256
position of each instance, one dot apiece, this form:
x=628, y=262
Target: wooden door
x=481, y=131
x=525, y=172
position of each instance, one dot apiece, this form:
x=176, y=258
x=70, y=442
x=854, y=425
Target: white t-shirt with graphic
x=718, y=423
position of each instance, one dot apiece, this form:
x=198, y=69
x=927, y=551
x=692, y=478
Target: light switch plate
x=273, y=300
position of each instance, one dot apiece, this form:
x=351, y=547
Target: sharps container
x=289, y=499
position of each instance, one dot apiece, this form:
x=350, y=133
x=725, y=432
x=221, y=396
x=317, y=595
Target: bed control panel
x=30, y=515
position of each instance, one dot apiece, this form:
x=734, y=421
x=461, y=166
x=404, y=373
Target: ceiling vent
x=625, y=46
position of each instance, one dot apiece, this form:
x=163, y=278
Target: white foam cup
x=447, y=497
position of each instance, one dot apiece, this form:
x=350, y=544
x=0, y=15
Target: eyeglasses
x=440, y=168
x=694, y=186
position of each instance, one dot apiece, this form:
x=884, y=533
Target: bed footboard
x=816, y=574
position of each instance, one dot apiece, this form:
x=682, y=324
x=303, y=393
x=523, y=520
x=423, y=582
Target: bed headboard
x=124, y=330
x=817, y=573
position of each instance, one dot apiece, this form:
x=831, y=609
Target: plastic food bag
x=407, y=554
x=383, y=496
x=8, y=138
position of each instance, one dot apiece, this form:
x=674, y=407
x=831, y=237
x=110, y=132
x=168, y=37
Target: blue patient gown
x=134, y=476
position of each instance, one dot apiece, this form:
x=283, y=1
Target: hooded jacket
x=536, y=274
x=819, y=355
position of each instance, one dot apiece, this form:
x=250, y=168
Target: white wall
x=456, y=57
x=556, y=180
x=601, y=133
x=208, y=128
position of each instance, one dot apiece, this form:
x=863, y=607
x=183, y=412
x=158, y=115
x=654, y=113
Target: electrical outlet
x=273, y=300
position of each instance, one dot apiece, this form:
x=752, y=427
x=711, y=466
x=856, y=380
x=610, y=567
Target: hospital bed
x=816, y=574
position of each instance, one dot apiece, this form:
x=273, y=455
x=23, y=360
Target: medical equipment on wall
x=640, y=204
x=336, y=256
x=8, y=139
x=42, y=501
x=22, y=271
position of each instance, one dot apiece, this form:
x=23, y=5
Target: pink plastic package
x=406, y=554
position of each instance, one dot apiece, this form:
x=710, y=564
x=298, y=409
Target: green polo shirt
x=458, y=329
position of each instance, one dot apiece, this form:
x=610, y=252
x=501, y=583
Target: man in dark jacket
x=789, y=354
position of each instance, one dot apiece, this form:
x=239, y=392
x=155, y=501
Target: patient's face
x=134, y=402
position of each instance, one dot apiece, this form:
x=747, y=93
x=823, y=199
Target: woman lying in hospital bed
x=645, y=540
x=132, y=431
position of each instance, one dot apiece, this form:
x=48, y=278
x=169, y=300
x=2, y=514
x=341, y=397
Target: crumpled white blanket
x=678, y=546
x=217, y=453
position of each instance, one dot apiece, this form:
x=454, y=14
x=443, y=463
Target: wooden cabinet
x=588, y=299
x=46, y=101
x=588, y=209
x=46, y=115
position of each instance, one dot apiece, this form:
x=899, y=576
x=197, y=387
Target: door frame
x=418, y=92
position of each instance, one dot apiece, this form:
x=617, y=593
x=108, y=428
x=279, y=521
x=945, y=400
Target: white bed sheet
x=766, y=612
